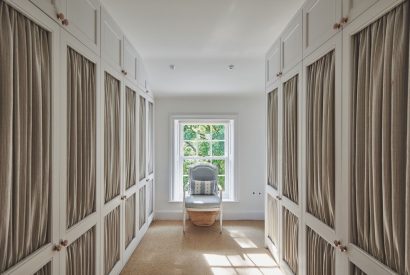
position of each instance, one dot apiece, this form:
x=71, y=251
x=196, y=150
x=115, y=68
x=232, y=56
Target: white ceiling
x=202, y=38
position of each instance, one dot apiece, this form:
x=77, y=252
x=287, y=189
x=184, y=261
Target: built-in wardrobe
x=338, y=139
x=76, y=140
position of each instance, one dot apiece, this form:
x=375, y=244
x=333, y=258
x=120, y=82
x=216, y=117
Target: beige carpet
x=202, y=250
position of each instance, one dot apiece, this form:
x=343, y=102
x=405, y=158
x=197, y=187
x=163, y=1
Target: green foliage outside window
x=203, y=142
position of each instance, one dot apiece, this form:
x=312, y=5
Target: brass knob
x=123, y=197
x=336, y=26
x=147, y=180
x=279, y=198
x=64, y=243
x=65, y=22
x=337, y=243
x=125, y=72
x=343, y=248
x=57, y=247
x=344, y=20
x=277, y=74
x=60, y=16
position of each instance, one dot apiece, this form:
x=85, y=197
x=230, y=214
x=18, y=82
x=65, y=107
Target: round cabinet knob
x=60, y=16
x=147, y=91
x=64, y=243
x=57, y=247
x=278, y=198
x=343, y=248
x=336, y=26
x=65, y=22
x=123, y=197
x=337, y=243
x=344, y=20
x=125, y=72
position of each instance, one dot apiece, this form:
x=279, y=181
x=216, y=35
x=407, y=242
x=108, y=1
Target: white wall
x=250, y=154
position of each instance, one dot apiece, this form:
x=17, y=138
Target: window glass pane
x=185, y=181
x=187, y=164
x=218, y=148
x=204, y=149
x=221, y=181
x=203, y=132
x=218, y=132
x=190, y=148
x=189, y=132
x=220, y=163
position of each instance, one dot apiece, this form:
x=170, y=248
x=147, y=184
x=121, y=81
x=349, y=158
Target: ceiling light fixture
x=230, y=67
x=172, y=67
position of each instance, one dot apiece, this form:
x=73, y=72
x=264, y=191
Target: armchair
x=203, y=194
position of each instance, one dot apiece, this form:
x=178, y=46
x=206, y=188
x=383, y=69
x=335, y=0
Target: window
x=203, y=140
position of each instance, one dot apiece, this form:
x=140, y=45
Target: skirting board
x=177, y=215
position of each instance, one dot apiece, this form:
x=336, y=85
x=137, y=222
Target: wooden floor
x=202, y=250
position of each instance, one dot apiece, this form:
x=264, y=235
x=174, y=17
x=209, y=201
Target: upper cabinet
x=80, y=17
x=321, y=20
x=111, y=41
x=131, y=62
x=353, y=8
x=273, y=66
x=291, y=43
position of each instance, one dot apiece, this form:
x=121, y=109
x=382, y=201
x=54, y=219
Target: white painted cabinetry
x=131, y=61
x=111, y=41
x=80, y=17
x=273, y=63
x=291, y=43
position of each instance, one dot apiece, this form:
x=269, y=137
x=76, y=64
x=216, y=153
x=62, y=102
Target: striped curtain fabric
x=320, y=131
x=380, y=139
x=81, y=151
x=111, y=239
x=25, y=136
x=150, y=149
x=81, y=255
x=130, y=137
x=290, y=240
x=272, y=220
x=272, y=145
x=142, y=138
x=142, y=206
x=129, y=220
x=290, y=139
x=112, y=120
x=320, y=255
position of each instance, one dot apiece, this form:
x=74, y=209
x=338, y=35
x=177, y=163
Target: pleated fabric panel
x=45, y=270
x=354, y=270
x=130, y=137
x=290, y=139
x=81, y=147
x=150, y=196
x=380, y=140
x=320, y=130
x=273, y=139
x=142, y=138
x=150, y=141
x=112, y=122
x=80, y=257
x=25, y=136
x=320, y=255
x=111, y=239
x=290, y=239
x=130, y=220
x=142, y=206
x=272, y=220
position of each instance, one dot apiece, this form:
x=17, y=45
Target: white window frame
x=176, y=186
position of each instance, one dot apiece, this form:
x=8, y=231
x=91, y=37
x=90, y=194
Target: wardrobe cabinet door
x=321, y=20
x=53, y=8
x=291, y=43
x=111, y=41
x=131, y=61
x=353, y=8
x=83, y=21
x=273, y=63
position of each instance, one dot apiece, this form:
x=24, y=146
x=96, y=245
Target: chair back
x=203, y=172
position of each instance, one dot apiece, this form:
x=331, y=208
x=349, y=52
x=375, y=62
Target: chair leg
x=183, y=221
x=220, y=221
